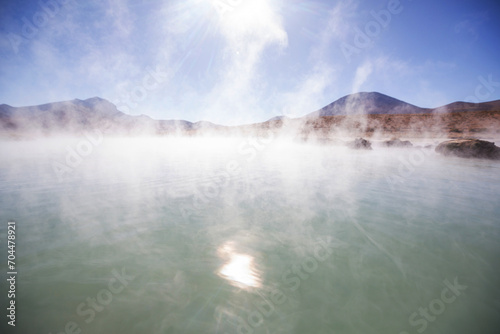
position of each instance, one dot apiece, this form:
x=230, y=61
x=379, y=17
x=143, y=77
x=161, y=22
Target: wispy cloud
x=248, y=31
x=362, y=74
x=337, y=28
x=311, y=89
x=70, y=50
x=471, y=24
x=308, y=92
x=246, y=61
x=233, y=84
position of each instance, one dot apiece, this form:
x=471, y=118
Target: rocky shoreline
x=470, y=148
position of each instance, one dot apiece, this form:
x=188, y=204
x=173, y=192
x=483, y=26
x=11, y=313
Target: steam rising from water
x=216, y=231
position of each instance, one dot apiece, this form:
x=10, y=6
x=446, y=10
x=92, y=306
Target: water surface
x=250, y=236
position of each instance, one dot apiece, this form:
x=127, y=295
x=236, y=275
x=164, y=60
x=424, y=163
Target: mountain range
x=77, y=116
x=374, y=103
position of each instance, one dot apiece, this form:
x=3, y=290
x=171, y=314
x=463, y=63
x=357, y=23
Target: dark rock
x=395, y=142
x=469, y=148
x=360, y=144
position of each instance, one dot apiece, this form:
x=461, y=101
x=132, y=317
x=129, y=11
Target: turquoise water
x=248, y=236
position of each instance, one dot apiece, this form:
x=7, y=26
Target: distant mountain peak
x=93, y=101
x=96, y=98
x=278, y=118
x=367, y=103
x=5, y=109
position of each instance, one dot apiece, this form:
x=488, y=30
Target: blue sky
x=240, y=61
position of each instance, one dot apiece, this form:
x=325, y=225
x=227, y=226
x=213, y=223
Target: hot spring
x=241, y=235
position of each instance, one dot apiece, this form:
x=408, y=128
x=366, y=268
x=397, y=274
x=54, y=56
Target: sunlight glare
x=239, y=269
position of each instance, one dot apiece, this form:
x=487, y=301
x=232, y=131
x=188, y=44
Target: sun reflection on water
x=239, y=268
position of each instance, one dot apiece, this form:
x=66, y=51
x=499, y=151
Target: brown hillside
x=452, y=125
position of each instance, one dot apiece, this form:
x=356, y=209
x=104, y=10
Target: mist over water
x=242, y=235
